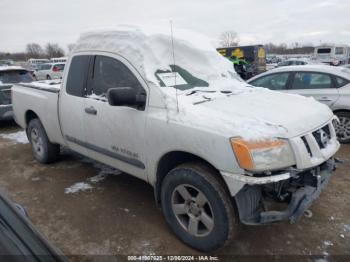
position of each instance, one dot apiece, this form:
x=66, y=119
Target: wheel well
x=30, y=115
x=171, y=160
x=341, y=110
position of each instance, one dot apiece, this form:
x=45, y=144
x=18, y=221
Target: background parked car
x=291, y=62
x=10, y=75
x=49, y=71
x=328, y=84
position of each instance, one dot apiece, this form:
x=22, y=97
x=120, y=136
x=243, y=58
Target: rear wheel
x=342, y=128
x=197, y=207
x=43, y=150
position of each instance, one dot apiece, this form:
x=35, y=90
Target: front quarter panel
x=165, y=135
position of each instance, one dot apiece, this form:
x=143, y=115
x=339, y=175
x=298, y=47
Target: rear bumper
x=300, y=191
x=6, y=112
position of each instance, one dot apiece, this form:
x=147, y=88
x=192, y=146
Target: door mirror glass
x=126, y=96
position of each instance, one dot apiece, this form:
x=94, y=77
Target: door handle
x=91, y=110
x=325, y=99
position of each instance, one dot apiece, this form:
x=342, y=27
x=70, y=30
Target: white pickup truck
x=175, y=114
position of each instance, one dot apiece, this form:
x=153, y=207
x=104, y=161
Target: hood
x=253, y=114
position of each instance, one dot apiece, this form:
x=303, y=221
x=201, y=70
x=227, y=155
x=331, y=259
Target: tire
x=48, y=77
x=343, y=127
x=43, y=150
x=204, y=227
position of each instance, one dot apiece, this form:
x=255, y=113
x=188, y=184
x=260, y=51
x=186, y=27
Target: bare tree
x=229, y=38
x=34, y=50
x=53, y=50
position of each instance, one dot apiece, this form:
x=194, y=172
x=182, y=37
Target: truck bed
x=39, y=98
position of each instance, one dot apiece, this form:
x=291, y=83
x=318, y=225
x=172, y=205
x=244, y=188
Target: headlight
x=263, y=155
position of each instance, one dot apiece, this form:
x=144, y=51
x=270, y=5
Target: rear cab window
x=77, y=75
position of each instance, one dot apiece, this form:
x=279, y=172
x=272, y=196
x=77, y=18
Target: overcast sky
x=255, y=21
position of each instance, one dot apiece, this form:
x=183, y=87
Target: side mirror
x=126, y=96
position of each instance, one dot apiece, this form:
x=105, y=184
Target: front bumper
x=6, y=112
x=295, y=195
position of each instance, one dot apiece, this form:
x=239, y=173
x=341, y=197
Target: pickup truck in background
x=216, y=150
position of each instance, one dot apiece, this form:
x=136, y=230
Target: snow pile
x=150, y=49
x=19, y=137
x=102, y=98
x=227, y=105
x=80, y=186
x=45, y=84
x=252, y=113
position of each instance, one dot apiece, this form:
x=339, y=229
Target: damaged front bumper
x=285, y=196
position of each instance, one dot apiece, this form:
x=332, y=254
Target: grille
x=322, y=136
x=315, y=147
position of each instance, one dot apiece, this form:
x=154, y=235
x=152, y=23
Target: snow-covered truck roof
x=150, y=50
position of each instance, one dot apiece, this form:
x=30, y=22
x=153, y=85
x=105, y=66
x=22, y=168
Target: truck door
x=321, y=86
x=115, y=134
x=72, y=103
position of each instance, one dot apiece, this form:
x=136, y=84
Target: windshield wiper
x=207, y=99
x=209, y=91
x=203, y=91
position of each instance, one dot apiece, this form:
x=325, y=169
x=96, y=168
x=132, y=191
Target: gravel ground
x=85, y=208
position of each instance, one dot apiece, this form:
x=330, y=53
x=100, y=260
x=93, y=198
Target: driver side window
x=111, y=73
x=273, y=82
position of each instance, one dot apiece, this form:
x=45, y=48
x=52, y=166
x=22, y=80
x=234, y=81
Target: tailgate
x=41, y=101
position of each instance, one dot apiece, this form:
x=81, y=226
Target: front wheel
x=342, y=128
x=43, y=150
x=197, y=207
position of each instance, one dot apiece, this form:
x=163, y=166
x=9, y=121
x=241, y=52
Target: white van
x=34, y=61
x=333, y=55
x=58, y=60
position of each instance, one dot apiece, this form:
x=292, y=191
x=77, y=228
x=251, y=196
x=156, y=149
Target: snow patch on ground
x=104, y=171
x=98, y=178
x=19, y=137
x=327, y=243
x=77, y=187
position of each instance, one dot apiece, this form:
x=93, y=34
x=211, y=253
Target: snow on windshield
x=150, y=51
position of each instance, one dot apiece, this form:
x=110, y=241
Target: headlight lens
x=262, y=155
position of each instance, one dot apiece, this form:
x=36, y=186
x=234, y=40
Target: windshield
x=15, y=76
x=323, y=50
